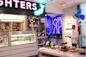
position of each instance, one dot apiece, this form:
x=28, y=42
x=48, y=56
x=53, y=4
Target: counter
x=57, y=53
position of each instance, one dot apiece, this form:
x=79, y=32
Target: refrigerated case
x=17, y=38
x=13, y=30
x=18, y=43
x=6, y=28
x=4, y=39
x=23, y=38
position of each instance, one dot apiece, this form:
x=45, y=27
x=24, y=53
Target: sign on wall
x=18, y=4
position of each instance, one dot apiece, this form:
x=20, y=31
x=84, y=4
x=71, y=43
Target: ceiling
x=55, y=6
x=67, y=3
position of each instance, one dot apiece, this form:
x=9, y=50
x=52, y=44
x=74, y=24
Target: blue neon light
x=54, y=24
x=49, y=25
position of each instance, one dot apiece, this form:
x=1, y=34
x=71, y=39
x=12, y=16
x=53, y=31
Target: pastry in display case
x=4, y=26
x=16, y=26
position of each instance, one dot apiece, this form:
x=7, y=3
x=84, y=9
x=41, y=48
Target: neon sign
x=54, y=24
x=40, y=11
x=57, y=25
x=18, y=4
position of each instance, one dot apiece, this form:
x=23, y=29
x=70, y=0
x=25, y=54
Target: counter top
x=56, y=52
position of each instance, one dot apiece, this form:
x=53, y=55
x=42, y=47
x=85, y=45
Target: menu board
x=19, y=39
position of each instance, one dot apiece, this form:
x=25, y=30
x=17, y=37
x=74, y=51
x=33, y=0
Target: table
x=57, y=53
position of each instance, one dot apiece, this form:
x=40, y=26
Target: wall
x=68, y=21
x=52, y=7
x=83, y=25
x=83, y=28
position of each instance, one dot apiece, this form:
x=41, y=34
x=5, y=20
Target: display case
x=16, y=38
x=3, y=40
x=19, y=39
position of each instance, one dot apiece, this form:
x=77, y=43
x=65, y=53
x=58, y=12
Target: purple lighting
x=57, y=25
x=54, y=24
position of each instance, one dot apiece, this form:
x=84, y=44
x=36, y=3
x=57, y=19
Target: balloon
x=79, y=11
x=77, y=15
x=82, y=17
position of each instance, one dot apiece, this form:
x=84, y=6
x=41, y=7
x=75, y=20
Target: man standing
x=74, y=38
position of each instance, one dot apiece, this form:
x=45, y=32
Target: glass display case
x=23, y=39
x=6, y=30
x=17, y=38
x=4, y=36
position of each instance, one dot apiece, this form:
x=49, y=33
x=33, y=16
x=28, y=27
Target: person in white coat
x=74, y=38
